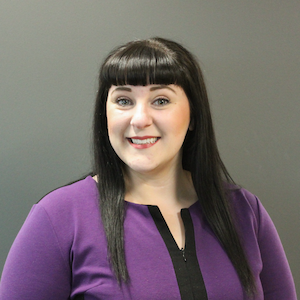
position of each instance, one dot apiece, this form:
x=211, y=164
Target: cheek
x=181, y=121
x=114, y=128
x=111, y=124
x=116, y=124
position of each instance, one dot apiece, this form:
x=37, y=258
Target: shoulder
x=77, y=195
x=249, y=212
x=246, y=207
x=66, y=212
x=69, y=206
x=263, y=245
x=51, y=238
x=240, y=197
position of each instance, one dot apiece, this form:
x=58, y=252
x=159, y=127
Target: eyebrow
x=162, y=86
x=153, y=88
x=122, y=88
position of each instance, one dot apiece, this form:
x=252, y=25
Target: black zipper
x=183, y=254
x=185, y=262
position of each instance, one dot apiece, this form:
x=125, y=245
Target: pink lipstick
x=143, y=142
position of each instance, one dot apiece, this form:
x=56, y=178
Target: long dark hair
x=161, y=61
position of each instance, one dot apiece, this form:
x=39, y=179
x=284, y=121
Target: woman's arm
x=276, y=276
x=35, y=267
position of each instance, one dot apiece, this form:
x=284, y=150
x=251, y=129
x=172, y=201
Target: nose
x=141, y=117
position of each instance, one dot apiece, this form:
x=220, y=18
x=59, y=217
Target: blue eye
x=123, y=101
x=161, y=102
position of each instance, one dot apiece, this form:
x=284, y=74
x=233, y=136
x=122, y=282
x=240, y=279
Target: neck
x=172, y=189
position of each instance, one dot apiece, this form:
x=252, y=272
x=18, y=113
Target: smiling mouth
x=144, y=141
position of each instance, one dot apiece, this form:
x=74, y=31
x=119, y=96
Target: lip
x=142, y=146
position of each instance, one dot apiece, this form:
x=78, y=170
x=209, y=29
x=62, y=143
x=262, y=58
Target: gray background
x=50, y=52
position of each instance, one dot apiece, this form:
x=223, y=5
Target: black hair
x=162, y=61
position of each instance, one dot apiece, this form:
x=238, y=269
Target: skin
x=147, y=126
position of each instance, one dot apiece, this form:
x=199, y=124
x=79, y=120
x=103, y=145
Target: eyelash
x=164, y=100
x=157, y=102
x=120, y=101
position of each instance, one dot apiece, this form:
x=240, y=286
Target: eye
x=161, y=101
x=123, y=101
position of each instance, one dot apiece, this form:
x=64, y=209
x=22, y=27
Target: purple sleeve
x=35, y=267
x=276, y=276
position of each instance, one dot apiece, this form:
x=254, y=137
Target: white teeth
x=145, y=141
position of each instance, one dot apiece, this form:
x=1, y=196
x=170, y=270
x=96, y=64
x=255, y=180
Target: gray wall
x=50, y=52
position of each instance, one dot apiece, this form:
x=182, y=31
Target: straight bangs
x=143, y=63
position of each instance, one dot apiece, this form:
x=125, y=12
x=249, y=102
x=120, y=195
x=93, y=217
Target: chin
x=141, y=167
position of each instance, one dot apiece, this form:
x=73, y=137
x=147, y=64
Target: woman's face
x=147, y=125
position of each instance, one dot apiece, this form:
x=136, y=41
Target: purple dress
x=60, y=253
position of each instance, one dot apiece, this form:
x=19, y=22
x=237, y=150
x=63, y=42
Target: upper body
x=60, y=252
x=161, y=187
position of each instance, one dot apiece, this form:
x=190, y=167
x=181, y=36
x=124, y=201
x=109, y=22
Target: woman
x=161, y=217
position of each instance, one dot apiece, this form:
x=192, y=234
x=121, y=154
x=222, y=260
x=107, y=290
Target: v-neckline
x=185, y=261
x=158, y=216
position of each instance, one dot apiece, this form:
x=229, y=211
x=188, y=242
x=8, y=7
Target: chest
x=150, y=255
